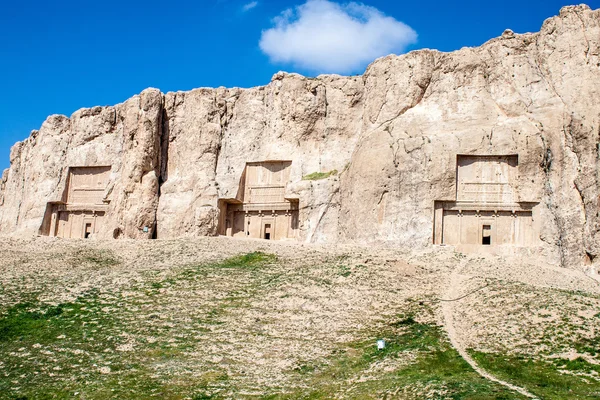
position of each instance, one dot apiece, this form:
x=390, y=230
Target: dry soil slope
x=218, y=318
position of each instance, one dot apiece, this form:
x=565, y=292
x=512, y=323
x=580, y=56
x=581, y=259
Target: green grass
x=96, y=258
x=317, y=176
x=57, y=350
x=252, y=263
x=544, y=377
x=344, y=271
x=24, y=320
x=256, y=259
x=79, y=337
x=579, y=365
x=425, y=360
x=589, y=346
x=32, y=325
x=50, y=351
x=244, y=262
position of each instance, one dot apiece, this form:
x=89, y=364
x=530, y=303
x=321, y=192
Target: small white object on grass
x=380, y=344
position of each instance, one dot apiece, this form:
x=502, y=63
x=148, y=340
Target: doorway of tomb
x=486, y=234
x=267, y=229
x=88, y=226
x=88, y=230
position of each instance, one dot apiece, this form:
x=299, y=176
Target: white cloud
x=249, y=6
x=326, y=37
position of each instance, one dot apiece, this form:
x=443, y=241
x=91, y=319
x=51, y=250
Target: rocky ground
x=220, y=318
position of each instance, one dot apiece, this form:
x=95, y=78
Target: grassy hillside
x=216, y=318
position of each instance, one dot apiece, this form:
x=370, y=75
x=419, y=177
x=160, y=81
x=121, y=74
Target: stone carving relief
x=262, y=210
x=83, y=206
x=487, y=210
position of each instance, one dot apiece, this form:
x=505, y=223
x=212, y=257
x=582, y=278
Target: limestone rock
x=392, y=134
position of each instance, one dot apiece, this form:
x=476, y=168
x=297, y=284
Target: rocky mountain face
x=393, y=134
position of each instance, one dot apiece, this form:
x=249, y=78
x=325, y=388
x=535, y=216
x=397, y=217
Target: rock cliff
x=393, y=134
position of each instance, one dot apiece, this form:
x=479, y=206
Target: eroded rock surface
x=393, y=134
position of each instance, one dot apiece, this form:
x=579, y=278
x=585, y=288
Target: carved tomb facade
x=261, y=209
x=487, y=210
x=81, y=211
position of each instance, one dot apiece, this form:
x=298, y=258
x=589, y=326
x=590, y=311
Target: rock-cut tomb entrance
x=261, y=208
x=80, y=212
x=486, y=210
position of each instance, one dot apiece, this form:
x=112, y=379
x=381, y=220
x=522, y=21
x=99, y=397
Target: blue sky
x=57, y=57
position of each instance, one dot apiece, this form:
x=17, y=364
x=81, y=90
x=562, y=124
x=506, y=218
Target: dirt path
x=454, y=292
